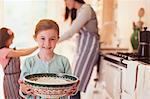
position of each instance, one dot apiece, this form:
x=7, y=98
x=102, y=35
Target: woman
x=84, y=22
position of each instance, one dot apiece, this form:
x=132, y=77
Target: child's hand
x=26, y=89
x=74, y=89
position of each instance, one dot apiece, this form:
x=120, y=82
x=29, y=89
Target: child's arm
x=21, y=52
x=74, y=88
x=25, y=90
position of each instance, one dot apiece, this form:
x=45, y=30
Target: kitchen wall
x=108, y=28
x=126, y=14
x=147, y=15
x=117, y=25
x=1, y=12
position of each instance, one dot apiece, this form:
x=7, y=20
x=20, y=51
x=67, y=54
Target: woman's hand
x=26, y=89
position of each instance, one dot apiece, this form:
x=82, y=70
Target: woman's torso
x=91, y=25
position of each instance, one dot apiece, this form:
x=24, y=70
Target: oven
x=111, y=75
x=143, y=82
x=123, y=77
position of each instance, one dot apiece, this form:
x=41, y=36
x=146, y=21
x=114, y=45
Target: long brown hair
x=4, y=36
x=72, y=11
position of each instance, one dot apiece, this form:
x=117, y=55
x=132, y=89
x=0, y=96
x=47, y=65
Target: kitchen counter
x=113, y=49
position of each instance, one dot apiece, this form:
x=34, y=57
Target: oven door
x=143, y=91
x=112, y=77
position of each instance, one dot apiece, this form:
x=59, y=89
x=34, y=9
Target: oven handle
x=120, y=63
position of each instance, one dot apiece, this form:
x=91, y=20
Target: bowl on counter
x=52, y=85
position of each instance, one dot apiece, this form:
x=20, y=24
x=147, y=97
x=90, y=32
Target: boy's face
x=47, y=39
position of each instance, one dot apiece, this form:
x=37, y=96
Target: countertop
x=113, y=49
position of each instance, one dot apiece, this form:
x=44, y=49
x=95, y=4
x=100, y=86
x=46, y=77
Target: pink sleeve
x=4, y=52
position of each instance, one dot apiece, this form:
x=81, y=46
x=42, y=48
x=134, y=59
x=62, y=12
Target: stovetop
x=131, y=56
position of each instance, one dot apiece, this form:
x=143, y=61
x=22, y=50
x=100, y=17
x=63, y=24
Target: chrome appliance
x=144, y=44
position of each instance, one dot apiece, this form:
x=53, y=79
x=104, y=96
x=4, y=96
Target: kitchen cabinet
x=111, y=75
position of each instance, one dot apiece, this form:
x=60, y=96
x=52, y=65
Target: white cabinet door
x=111, y=75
